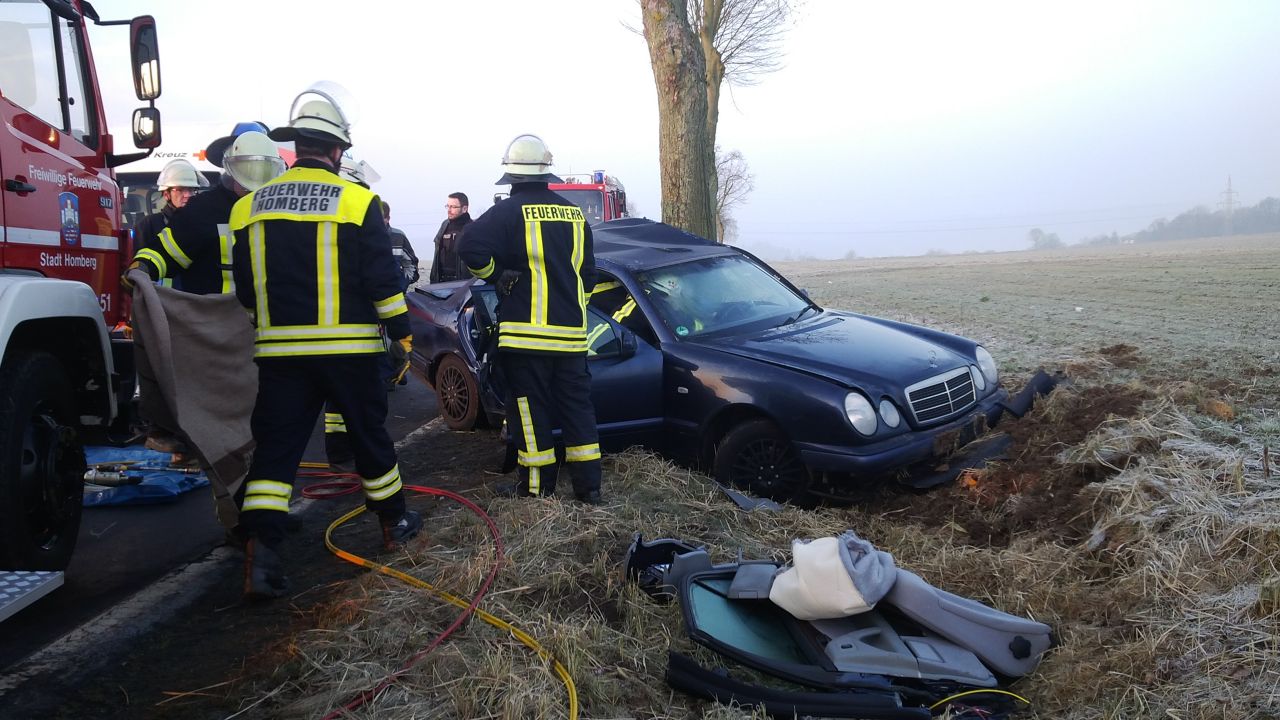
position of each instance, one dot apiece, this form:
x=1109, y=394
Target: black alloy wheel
x=757, y=457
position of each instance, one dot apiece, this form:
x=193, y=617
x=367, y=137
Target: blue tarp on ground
x=157, y=486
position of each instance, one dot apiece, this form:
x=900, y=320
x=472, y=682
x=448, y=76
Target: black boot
x=591, y=497
x=263, y=572
x=396, y=534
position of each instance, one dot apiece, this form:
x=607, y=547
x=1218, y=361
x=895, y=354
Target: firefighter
x=536, y=247
x=313, y=264
x=196, y=250
x=178, y=182
x=196, y=247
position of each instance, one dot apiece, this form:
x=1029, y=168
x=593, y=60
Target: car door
x=626, y=382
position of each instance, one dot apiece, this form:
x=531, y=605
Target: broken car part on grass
x=915, y=650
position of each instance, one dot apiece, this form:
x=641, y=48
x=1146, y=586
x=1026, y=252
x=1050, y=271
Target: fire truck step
x=20, y=588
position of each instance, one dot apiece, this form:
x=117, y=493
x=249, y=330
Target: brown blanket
x=197, y=377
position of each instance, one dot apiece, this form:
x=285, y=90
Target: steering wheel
x=730, y=311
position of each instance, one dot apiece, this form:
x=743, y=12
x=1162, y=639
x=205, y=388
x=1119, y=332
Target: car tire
x=757, y=457
x=457, y=393
x=42, y=463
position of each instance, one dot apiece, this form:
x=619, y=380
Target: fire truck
x=64, y=246
x=601, y=196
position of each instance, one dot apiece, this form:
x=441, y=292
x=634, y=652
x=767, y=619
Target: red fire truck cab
x=63, y=248
x=600, y=196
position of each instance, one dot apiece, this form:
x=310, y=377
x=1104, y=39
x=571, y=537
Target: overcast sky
x=893, y=129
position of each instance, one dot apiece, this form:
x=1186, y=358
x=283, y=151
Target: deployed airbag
x=833, y=577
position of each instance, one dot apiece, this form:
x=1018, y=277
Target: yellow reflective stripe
x=623, y=312
x=544, y=457
x=266, y=495
x=535, y=329
x=535, y=481
x=166, y=282
x=333, y=417
x=382, y=480
x=538, y=300
x=582, y=453
x=606, y=286
x=579, y=245
x=334, y=423
x=596, y=332
x=171, y=246
x=258, y=260
x=291, y=349
x=526, y=343
x=226, y=241
x=391, y=307
x=381, y=488
x=155, y=258
x=526, y=425
x=327, y=273
x=483, y=272
x=349, y=331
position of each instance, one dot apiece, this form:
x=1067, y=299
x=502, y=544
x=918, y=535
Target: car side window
x=612, y=299
x=602, y=339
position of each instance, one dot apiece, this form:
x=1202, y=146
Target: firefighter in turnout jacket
x=196, y=247
x=313, y=263
x=535, y=247
x=179, y=181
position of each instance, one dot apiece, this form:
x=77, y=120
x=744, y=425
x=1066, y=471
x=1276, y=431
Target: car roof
x=638, y=243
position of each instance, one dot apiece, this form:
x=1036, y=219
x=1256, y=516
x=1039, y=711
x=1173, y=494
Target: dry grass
x=1167, y=606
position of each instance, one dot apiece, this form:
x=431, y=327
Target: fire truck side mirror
x=144, y=51
x=146, y=128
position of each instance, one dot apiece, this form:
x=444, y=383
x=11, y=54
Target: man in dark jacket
x=536, y=247
x=446, y=264
x=400, y=247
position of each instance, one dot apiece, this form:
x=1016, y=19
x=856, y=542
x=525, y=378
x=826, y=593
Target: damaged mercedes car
x=706, y=354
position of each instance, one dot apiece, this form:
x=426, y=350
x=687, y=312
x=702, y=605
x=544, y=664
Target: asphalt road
x=124, y=549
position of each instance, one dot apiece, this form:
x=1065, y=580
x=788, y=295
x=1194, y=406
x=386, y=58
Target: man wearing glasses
x=446, y=265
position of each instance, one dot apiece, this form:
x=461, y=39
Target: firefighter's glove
x=126, y=282
x=506, y=281
x=400, y=350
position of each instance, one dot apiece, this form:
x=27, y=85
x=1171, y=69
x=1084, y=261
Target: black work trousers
x=291, y=394
x=546, y=391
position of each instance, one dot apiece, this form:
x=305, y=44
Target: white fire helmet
x=321, y=112
x=358, y=172
x=252, y=160
x=180, y=174
x=527, y=160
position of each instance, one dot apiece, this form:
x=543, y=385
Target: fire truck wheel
x=42, y=483
x=457, y=393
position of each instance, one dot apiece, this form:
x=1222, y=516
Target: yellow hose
x=524, y=638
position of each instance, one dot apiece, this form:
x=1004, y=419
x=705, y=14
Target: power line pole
x=1228, y=204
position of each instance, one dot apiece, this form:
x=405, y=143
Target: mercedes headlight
x=987, y=365
x=860, y=413
x=889, y=413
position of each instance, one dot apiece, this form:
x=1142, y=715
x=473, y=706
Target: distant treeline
x=1200, y=222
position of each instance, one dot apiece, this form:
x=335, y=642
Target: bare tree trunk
x=686, y=157
x=712, y=10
